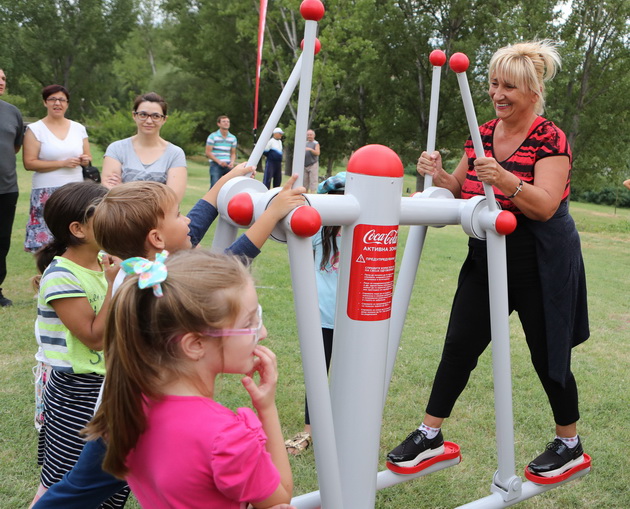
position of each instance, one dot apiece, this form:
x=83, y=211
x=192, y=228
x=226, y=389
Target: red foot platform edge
x=538, y=479
x=451, y=451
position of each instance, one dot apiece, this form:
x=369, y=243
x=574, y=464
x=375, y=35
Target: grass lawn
x=601, y=366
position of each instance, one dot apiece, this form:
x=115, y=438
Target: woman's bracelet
x=519, y=188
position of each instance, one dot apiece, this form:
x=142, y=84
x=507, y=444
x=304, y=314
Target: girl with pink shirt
x=175, y=324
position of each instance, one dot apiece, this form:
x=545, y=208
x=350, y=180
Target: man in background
x=311, y=162
x=273, y=166
x=221, y=150
x=11, y=136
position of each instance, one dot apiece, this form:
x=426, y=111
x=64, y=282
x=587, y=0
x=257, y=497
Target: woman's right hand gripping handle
x=263, y=397
x=430, y=164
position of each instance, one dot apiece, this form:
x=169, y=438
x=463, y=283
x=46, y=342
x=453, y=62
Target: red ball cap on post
x=459, y=62
x=437, y=58
x=377, y=160
x=306, y=221
x=318, y=45
x=241, y=209
x=506, y=222
x=312, y=10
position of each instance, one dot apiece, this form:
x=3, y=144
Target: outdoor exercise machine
x=370, y=311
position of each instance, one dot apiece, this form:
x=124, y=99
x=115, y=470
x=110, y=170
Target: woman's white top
x=56, y=149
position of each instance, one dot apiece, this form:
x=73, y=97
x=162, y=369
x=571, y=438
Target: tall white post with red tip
x=437, y=59
x=506, y=481
x=417, y=234
x=366, y=281
x=312, y=11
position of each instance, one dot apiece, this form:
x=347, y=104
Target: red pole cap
x=459, y=62
x=312, y=10
x=318, y=45
x=377, y=160
x=437, y=58
x=306, y=221
x=505, y=223
x=241, y=209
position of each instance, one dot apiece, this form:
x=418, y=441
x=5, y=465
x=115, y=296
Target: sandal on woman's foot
x=299, y=443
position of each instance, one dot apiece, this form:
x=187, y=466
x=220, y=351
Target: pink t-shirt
x=196, y=453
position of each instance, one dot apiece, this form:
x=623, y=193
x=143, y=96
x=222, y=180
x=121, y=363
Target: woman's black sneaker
x=416, y=448
x=4, y=302
x=557, y=458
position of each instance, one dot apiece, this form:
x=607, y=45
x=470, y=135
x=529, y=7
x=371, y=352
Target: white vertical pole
x=304, y=100
x=276, y=113
x=416, y=237
x=505, y=478
x=438, y=59
x=459, y=63
x=314, y=364
x=366, y=278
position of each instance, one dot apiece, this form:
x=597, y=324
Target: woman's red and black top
x=544, y=139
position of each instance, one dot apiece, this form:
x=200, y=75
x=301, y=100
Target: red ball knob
x=318, y=45
x=377, y=160
x=437, y=58
x=459, y=62
x=241, y=209
x=312, y=10
x=306, y=221
x=506, y=222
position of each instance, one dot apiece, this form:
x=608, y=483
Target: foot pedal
x=451, y=451
x=539, y=479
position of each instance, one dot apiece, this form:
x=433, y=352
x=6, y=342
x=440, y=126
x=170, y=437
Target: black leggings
x=328, y=342
x=468, y=332
x=8, y=203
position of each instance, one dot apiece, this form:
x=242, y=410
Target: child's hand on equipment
x=111, y=266
x=287, y=199
x=264, y=394
x=241, y=170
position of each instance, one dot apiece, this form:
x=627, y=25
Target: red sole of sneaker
x=451, y=451
x=538, y=479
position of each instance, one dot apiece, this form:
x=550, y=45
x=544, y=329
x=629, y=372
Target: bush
x=617, y=196
x=180, y=130
x=109, y=126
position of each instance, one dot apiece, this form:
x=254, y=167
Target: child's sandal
x=299, y=443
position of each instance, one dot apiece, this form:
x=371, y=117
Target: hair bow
x=150, y=273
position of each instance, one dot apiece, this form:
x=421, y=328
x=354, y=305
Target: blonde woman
x=528, y=161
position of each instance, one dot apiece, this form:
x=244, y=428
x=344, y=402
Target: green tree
x=213, y=44
x=592, y=102
x=72, y=43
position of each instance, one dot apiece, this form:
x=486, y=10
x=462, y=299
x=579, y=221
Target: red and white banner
x=261, y=37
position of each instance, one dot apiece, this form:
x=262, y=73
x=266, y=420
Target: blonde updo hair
x=527, y=65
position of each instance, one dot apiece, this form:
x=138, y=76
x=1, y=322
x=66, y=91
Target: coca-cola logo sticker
x=386, y=239
x=372, y=270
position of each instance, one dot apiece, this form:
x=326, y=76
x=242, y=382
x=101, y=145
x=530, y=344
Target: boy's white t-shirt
x=56, y=149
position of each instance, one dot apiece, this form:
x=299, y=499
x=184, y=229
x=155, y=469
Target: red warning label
x=372, y=272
